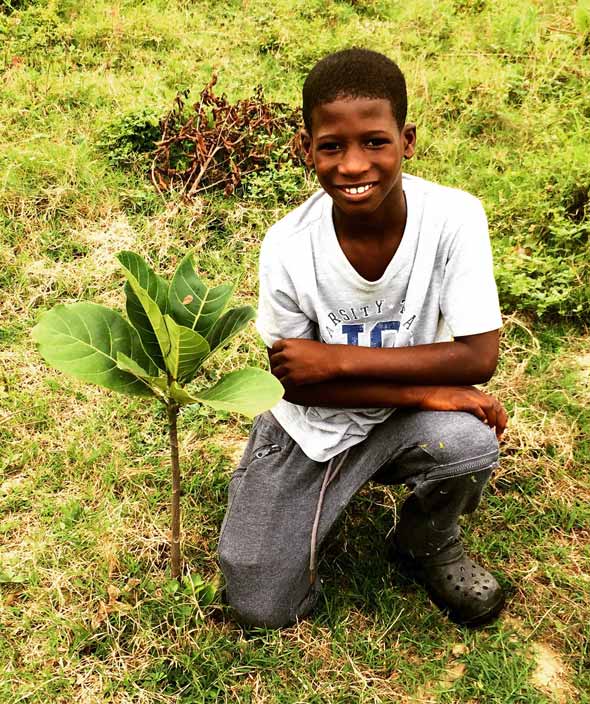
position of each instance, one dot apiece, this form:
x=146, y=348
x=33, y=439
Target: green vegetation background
x=499, y=93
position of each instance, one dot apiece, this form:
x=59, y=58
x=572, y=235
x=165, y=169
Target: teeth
x=360, y=189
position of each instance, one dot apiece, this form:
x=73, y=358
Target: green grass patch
x=499, y=93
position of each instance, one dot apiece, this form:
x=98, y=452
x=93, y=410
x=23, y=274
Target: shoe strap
x=447, y=556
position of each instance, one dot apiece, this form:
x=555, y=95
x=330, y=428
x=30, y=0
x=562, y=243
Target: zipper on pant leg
x=478, y=465
x=265, y=451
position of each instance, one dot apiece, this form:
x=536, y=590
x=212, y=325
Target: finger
x=478, y=412
x=491, y=415
x=494, y=411
x=277, y=346
x=287, y=376
x=502, y=422
x=280, y=372
x=277, y=357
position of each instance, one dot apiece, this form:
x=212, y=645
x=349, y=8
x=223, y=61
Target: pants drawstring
x=334, y=466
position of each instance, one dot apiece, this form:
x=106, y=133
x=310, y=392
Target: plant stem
x=172, y=409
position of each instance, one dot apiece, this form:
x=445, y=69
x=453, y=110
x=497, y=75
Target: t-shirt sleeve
x=469, y=298
x=279, y=315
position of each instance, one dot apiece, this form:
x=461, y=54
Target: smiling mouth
x=356, y=190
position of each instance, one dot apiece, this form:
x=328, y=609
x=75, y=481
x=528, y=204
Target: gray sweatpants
x=445, y=458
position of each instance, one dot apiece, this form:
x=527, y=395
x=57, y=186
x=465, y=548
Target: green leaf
x=83, y=339
x=207, y=595
x=154, y=333
x=155, y=286
x=229, y=325
x=158, y=384
x=171, y=586
x=157, y=289
x=12, y=578
x=249, y=391
x=194, y=585
x=193, y=304
x=188, y=349
x=180, y=395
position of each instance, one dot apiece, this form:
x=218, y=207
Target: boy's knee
x=484, y=440
x=464, y=440
x=462, y=457
x=266, y=608
x=250, y=612
x=266, y=595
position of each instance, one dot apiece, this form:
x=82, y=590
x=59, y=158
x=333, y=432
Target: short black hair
x=355, y=73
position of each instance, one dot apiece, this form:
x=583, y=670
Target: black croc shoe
x=467, y=593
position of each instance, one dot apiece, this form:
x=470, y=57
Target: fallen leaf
x=430, y=690
x=11, y=598
x=114, y=593
x=100, y=615
x=453, y=673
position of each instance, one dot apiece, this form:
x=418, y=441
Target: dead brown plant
x=215, y=143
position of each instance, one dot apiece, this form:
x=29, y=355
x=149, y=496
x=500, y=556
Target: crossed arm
x=436, y=377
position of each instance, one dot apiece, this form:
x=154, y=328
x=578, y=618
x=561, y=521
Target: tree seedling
x=172, y=328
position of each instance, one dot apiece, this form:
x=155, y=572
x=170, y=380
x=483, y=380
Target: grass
x=87, y=611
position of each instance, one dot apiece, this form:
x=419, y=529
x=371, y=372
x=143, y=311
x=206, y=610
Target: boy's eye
x=377, y=141
x=329, y=146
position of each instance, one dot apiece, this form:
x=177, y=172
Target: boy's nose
x=354, y=162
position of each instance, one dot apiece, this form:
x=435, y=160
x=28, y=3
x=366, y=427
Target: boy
x=361, y=288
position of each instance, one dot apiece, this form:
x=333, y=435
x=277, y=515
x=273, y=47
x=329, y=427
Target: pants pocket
x=257, y=454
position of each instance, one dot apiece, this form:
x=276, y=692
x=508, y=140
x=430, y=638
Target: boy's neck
x=370, y=243
x=384, y=224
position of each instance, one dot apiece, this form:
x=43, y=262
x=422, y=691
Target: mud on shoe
x=466, y=592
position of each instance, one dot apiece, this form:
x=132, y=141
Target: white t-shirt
x=439, y=284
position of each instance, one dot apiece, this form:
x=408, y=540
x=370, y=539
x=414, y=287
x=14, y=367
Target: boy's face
x=357, y=149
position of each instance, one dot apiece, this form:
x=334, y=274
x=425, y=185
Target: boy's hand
x=466, y=398
x=296, y=361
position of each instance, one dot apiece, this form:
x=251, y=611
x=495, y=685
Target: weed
x=131, y=138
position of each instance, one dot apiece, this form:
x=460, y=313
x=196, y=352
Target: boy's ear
x=409, y=137
x=305, y=139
